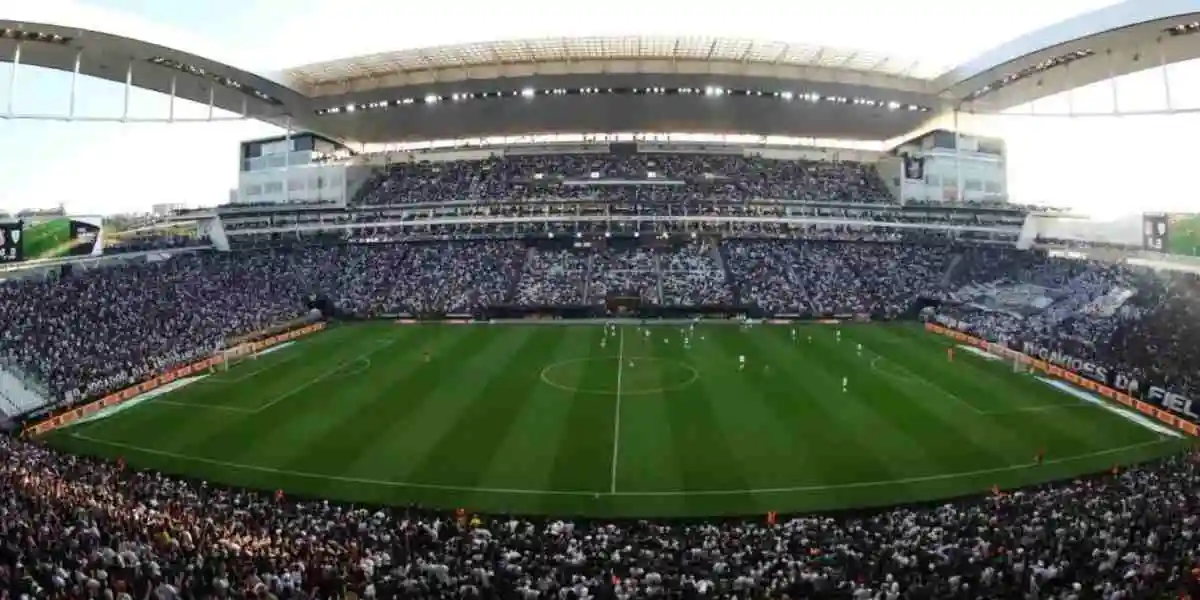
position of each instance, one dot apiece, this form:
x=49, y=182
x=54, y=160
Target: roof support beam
x=746, y=55
x=12, y=78
x=782, y=53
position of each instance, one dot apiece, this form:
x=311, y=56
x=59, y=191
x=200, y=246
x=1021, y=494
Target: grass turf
x=546, y=419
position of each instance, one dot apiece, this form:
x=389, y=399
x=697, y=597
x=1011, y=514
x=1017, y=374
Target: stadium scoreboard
x=11, y=249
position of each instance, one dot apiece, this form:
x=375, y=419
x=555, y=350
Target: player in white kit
x=845, y=383
x=860, y=349
x=741, y=362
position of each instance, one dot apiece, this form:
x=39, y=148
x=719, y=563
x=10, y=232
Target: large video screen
x=61, y=236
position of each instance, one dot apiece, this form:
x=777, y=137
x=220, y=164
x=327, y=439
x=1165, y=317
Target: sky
x=1105, y=166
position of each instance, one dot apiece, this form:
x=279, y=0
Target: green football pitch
x=571, y=420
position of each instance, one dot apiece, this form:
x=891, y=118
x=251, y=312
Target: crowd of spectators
x=692, y=275
x=553, y=277
x=626, y=272
x=1131, y=320
x=99, y=329
x=852, y=278
x=713, y=177
x=76, y=527
x=85, y=334
x=80, y=527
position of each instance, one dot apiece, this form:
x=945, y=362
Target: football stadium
x=603, y=317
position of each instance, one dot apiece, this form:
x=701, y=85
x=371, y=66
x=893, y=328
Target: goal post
x=1014, y=358
x=227, y=357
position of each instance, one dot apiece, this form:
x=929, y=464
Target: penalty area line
x=667, y=494
x=233, y=409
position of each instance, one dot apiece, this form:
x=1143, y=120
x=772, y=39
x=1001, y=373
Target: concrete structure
x=635, y=83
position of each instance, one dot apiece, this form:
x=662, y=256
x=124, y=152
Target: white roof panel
x=544, y=50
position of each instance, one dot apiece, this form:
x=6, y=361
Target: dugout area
x=580, y=420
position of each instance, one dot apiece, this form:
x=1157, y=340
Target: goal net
x=229, y=357
x=1013, y=358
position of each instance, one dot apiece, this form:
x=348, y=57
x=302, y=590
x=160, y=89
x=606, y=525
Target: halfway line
x=612, y=489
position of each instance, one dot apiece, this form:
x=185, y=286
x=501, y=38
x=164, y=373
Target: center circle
x=636, y=378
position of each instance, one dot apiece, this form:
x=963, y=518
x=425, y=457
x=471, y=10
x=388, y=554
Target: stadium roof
x=1112, y=41
x=460, y=61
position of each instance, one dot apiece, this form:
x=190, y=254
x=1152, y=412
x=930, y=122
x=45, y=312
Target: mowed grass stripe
x=282, y=420
x=343, y=426
x=806, y=409
x=771, y=416
x=869, y=407
x=423, y=403
x=542, y=444
x=489, y=392
x=177, y=428
x=833, y=462
x=958, y=417
x=1090, y=427
x=649, y=456
x=769, y=441
x=583, y=458
x=1009, y=395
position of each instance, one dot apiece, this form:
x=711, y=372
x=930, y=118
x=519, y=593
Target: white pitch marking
x=612, y=489
x=667, y=494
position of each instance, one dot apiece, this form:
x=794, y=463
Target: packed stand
x=98, y=330
x=456, y=277
x=78, y=527
x=715, y=177
x=1134, y=321
x=692, y=276
x=764, y=275
x=876, y=279
x=552, y=278
x=879, y=279
x=1162, y=346
x=101, y=329
x=1073, y=306
x=623, y=272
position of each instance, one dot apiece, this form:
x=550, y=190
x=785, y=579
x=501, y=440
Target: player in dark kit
x=1041, y=456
